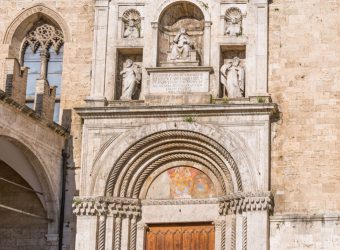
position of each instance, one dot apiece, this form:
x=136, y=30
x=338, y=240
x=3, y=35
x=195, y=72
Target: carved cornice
x=246, y=202
x=93, y=206
x=143, y=111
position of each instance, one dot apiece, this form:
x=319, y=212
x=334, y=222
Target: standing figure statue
x=181, y=45
x=233, y=78
x=131, y=30
x=132, y=77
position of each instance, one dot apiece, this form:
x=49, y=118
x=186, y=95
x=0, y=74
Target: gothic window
x=43, y=55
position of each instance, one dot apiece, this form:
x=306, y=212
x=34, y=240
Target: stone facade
x=270, y=149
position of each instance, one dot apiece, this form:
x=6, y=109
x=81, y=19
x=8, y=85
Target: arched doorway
x=24, y=222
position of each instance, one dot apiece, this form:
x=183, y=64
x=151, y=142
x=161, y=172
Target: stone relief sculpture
x=131, y=20
x=233, y=78
x=233, y=18
x=132, y=77
x=181, y=45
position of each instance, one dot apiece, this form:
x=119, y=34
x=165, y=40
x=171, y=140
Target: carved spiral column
x=118, y=229
x=101, y=232
x=133, y=232
x=244, y=233
x=233, y=233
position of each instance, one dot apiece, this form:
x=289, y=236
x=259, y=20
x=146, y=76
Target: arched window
x=43, y=55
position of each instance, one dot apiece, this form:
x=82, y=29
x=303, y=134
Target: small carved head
x=128, y=63
x=131, y=23
x=183, y=31
x=236, y=61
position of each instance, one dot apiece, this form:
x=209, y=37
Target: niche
x=136, y=56
x=181, y=15
x=227, y=55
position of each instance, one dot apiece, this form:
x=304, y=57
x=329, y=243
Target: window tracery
x=42, y=53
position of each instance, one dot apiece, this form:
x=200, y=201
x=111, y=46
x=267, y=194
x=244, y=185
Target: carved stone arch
x=50, y=199
x=166, y=4
x=25, y=21
x=149, y=159
x=98, y=183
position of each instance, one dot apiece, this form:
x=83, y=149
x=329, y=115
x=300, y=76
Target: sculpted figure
x=131, y=30
x=181, y=45
x=131, y=78
x=233, y=78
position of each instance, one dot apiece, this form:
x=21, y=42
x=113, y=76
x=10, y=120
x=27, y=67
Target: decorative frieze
x=246, y=202
x=93, y=206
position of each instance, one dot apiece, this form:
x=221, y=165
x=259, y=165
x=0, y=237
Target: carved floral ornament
x=231, y=204
x=45, y=36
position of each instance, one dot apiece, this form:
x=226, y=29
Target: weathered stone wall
x=304, y=73
x=305, y=232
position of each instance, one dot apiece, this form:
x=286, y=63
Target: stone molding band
x=246, y=202
x=112, y=206
x=96, y=206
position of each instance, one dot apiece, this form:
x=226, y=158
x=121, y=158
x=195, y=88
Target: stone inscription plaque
x=179, y=82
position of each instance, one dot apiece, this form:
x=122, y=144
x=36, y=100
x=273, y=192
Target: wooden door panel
x=180, y=237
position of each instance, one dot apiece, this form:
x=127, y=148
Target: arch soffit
x=41, y=173
x=101, y=169
x=167, y=3
x=33, y=10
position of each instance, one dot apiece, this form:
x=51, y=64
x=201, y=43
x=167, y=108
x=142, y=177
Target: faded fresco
x=181, y=183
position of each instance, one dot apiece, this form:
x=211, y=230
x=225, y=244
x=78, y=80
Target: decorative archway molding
x=167, y=3
x=105, y=173
x=49, y=199
x=34, y=10
x=145, y=156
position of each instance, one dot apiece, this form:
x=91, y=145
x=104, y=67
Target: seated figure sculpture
x=233, y=78
x=181, y=45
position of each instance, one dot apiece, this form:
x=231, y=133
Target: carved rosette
x=106, y=206
x=246, y=202
x=45, y=36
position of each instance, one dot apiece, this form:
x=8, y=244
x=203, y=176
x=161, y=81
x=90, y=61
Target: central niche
x=181, y=16
x=181, y=183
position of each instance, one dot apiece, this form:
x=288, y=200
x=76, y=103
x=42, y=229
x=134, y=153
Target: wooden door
x=180, y=237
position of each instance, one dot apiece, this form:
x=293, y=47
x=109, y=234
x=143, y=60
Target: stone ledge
x=178, y=110
x=305, y=217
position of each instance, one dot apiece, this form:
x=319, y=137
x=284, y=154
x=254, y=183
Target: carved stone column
x=141, y=231
x=97, y=96
x=44, y=56
x=118, y=229
x=133, y=232
x=207, y=43
x=249, y=219
x=101, y=232
x=155, y=42
x=220, y=234
x=262, y=48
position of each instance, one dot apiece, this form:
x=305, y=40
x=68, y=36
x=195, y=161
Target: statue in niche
x=181, y=45
x=131, y=31
x=132, y=77
x=234, y=22
x=233, y=78
x=131, y=20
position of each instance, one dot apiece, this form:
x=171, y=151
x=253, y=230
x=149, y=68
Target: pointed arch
x=26, y=20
